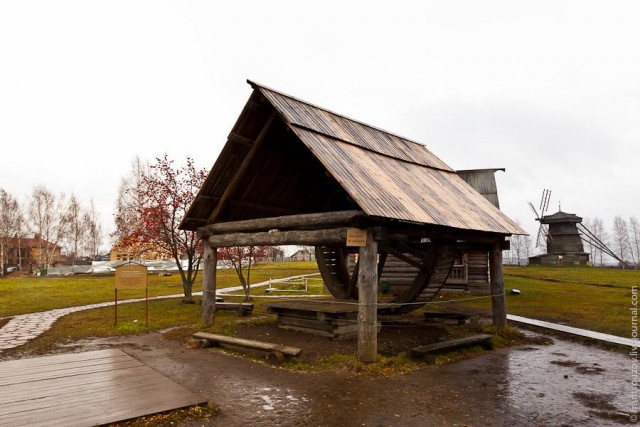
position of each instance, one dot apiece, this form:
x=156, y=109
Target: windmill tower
x=563, y=240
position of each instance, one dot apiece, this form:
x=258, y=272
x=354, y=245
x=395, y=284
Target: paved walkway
x=25, y=327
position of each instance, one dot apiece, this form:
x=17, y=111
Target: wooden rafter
x=237, y=177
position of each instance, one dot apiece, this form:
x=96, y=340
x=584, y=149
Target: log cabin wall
x=470, y=274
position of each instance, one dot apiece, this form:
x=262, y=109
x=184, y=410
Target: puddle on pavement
x=267, y=401
x=570, y=383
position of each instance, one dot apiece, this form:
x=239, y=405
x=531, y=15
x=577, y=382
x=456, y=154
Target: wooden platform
x=333, y=319
x=84, y=389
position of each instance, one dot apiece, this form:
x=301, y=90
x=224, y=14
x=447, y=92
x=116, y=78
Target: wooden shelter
x=295, y=173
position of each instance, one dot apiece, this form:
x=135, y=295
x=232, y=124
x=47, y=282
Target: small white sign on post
x=356, y=237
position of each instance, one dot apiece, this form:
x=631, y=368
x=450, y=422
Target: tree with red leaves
x=150, y=209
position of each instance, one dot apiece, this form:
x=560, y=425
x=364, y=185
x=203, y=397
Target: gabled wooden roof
x=287, y=156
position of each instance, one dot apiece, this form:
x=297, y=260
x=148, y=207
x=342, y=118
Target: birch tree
x=75, y=226
x=94, y=236
x=130, y=204
x=620, y=237
x=10, y=224
x=634, y=239
x=47, y=221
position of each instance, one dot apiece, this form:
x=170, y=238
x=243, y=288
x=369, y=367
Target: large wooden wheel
x=414, y=273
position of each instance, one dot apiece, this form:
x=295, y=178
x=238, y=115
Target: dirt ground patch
x=494, y=388
x=507, y=386
x=394, y=338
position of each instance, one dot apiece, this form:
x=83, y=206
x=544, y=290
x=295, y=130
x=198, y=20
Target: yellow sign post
x=132, y=276
x=356, y=237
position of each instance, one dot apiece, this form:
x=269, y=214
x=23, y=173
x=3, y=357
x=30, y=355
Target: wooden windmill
x=563, y=235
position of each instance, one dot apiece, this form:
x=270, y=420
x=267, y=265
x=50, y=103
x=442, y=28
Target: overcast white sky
x=549, y=90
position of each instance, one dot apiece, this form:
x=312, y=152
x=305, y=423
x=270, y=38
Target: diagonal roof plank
x=366, y=168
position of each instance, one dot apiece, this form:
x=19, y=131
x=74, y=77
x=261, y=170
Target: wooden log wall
x=399, y=274
x=478, y=273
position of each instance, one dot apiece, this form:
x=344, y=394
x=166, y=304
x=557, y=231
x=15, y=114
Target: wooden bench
x=242, y=308
x=276, y=353
x=428, y=352
x=460, y=318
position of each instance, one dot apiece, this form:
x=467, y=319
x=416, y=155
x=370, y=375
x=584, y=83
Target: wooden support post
x=498, y=297
x=210, y=259
x=368, y=301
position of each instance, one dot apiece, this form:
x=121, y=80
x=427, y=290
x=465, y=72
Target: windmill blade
x=533, y=208
x=544, y=204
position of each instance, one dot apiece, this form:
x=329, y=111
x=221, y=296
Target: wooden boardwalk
x=84, y=389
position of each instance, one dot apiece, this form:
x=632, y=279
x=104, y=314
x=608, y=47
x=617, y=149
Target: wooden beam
x=368, y=301
x=395, y=230
x=246, y=204
x=314, y=220
x=399, y=254
x=329, y=237
x=235, y=137
x=498, y=297
x=210, y=259
x=246, y=162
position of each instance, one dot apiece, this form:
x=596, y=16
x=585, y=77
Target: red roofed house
x=27, y=253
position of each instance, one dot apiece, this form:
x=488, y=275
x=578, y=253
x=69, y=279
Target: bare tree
x=241, y=259
x=600, y=232
x=634, y=239
x=520, y=248
x=621, y=244
x=516, y=249
x=46, y=221
x=75, y=227
x=130, y=203
x=93, y=231
x=10, y=223
x=527, y=246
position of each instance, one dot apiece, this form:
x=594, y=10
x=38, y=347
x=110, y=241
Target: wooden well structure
x=292, y=173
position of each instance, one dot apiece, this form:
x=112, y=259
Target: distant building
x=120, y=252
x=301, y=255
x=271, y=254
x=28, y=253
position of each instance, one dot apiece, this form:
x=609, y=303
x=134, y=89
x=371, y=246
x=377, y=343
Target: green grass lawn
x=33, y=294
x=589, y=298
